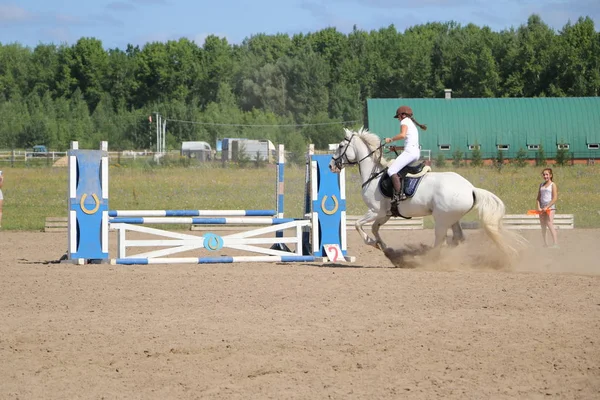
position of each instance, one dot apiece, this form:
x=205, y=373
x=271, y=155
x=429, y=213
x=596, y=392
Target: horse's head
x=357, y=147
x=345, y=154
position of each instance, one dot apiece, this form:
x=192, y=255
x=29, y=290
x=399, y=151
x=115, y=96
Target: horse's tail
x=491, y=211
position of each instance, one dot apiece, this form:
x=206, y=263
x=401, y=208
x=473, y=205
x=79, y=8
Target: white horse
x=447, y=196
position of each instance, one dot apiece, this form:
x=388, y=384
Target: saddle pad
x=410, y=186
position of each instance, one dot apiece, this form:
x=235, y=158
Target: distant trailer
x=198, y=150
x=250, y=149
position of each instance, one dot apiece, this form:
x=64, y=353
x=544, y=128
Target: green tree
x=499, y=158
x=89, y=66
x=15, y=117
x=43, y=69
x=457, y=158
x=535, y=42
x=267, y=48
x=540, y=157
x=266, y=89
x=14, y=60
x=520, y=159
x=474, y=69
x=476, y=156
x=574, y=66
x=562, y=155
x=414, y=69
x=79, y=124
x=440, y=160
x=217, y=58
x=307, y=78
x=120, y=77
x=65, y=83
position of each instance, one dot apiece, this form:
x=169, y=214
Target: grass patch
x=32, y=194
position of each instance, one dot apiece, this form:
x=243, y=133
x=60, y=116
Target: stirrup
x=398, y=197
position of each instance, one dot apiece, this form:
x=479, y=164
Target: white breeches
x=409, y=155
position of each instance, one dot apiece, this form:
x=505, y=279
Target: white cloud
x=11, y=13
x=120, y=6
x=67, y=19
x=150, y=2
x=200, y=38
x=56, y=35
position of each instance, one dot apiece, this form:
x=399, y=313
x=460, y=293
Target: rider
x=412, y=150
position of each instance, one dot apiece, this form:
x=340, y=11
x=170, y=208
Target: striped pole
x=192, y=213
x=200, y=221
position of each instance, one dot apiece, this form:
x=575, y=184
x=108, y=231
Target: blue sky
x=120, y=22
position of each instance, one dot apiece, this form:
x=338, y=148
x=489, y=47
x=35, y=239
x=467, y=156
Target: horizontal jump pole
x=212, y=260
x=201, y=221
x=192, y=213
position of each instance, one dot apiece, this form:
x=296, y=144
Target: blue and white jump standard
x=90, y=221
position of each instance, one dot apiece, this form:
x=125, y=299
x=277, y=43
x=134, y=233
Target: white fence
x=24, y=156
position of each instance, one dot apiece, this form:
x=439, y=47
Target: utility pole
x=164, y=136
x=158, y=134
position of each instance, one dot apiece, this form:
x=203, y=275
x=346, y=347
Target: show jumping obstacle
x=319, y=237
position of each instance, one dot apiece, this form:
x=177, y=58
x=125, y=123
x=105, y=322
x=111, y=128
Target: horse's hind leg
x=457, y=234
x=440, y=231
x=375, y=229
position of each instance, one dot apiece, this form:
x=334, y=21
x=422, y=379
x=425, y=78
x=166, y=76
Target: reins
x=373, y=173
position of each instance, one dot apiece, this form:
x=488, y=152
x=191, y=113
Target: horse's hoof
x=381, y=246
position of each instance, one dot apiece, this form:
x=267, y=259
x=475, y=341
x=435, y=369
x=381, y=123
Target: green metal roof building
x=497, y=124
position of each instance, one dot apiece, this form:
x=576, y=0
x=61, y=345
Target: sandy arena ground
x=457, y=328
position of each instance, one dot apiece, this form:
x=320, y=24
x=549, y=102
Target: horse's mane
x=373, y=142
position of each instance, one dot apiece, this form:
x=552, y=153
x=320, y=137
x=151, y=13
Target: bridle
x=339, y=163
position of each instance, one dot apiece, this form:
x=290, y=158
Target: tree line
x=289, y=89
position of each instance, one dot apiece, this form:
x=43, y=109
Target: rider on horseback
x=412, y=149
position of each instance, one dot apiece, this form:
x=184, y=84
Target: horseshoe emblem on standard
x=213, y=242
x=336, y=205
x=85, y=209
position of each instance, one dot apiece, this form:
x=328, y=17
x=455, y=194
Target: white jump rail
x=523, y=221
x=392, y=224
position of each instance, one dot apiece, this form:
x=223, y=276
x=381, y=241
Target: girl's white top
x=412, y=133
x=546, y=195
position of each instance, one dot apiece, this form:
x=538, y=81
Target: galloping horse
x=447, y=196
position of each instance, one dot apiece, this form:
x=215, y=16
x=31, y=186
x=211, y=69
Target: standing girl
x=546, y=204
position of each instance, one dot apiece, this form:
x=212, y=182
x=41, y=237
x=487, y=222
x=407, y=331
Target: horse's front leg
x=370, y=216
x=379, y=243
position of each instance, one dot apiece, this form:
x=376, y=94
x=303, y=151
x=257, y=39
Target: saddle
x=410, y=177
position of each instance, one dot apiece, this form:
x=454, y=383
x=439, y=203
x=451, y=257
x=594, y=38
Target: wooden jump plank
x=56, y=224
x=522, y=221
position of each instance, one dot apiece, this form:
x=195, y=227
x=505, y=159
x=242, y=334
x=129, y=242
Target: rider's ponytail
x=424, y=127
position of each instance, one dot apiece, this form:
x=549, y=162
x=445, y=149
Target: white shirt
x=412, y=133
x=546, y=195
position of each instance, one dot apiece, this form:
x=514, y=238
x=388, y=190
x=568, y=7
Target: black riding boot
x=398, y=192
